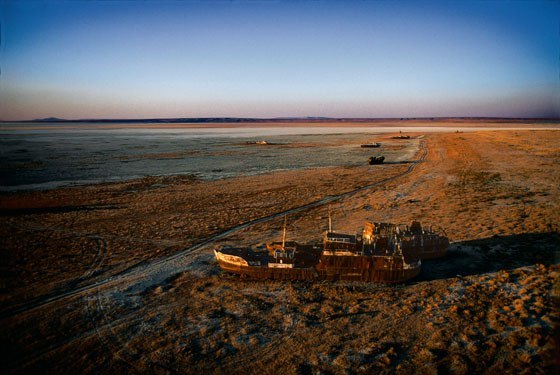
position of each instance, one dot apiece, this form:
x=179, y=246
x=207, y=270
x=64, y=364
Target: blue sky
x=113, y=59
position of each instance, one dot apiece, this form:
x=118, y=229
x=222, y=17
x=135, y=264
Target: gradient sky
x=111, y=59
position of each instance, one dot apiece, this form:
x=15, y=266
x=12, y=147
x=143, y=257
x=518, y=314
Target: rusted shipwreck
x=383, y=252
x=376, y=160
x=424, y=242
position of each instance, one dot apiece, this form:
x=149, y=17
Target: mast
x=330, y=220
x=284, y=234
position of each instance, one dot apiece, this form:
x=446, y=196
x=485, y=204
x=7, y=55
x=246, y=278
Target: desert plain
x=120, y=277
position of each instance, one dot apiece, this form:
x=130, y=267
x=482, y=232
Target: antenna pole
x=284, y=234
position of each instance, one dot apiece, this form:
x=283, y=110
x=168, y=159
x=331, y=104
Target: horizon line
x=277, y=119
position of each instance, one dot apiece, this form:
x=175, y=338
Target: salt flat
x=488, y=306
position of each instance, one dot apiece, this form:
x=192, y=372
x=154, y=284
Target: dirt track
x=478, y=186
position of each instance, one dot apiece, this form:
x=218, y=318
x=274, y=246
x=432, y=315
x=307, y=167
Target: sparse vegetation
x=489, y=306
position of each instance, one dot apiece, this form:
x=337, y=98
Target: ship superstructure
x=382, y=252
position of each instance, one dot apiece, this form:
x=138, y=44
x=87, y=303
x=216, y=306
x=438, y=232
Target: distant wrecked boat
x=262, y=142
x=383, y=252
x=371, y=145
x=401, y=137
x=376, y=160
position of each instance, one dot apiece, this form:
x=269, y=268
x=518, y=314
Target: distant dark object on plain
x=262, y=143
x=371, y=145
x=376, y=160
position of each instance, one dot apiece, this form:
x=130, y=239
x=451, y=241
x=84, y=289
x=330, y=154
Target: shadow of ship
x=492, y=254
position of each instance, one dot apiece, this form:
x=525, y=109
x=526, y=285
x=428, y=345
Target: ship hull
x=380, y=269
x=271, y=273
x=331, y=268
x=371, y=275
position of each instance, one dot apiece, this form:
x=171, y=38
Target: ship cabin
x=341, y=243
x=284, y=254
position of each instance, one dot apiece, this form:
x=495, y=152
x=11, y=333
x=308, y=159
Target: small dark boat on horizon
x=376, y=160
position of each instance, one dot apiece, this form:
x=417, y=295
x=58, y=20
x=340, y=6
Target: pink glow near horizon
x=264, y=60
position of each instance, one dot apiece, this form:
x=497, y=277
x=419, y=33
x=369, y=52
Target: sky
x=265, y=59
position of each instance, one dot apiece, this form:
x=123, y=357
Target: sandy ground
x=366, y=123
x=490, y=305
